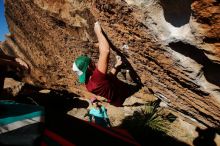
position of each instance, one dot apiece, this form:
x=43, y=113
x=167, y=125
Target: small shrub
x=147, y=124
x=153, y=119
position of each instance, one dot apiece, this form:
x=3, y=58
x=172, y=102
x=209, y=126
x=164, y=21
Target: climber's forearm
x=104, y=51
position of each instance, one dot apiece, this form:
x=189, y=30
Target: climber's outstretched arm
x=104, y=49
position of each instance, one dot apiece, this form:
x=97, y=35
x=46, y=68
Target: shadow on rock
x=205, y=137
x=210, y=69
x=177, y=13
x=54, y=101
x=62, y=128
x=149, y=129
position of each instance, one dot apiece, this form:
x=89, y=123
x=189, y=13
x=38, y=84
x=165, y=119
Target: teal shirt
x=101, y=113
x=100, y=116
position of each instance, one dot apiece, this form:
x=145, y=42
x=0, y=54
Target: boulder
x=170, y=47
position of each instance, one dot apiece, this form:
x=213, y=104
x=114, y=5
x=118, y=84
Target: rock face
x=172, y=47
x=207, y=18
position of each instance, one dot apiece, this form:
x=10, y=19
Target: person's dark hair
x=96, y=101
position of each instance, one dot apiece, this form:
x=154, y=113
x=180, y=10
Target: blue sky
x=3, y=24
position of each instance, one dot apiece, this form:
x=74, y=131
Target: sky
x=3, y=23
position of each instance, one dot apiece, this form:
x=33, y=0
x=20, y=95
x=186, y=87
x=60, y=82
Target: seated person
x=98, y=114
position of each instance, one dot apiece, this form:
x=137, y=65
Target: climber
x=96, y=78
x=11, y=67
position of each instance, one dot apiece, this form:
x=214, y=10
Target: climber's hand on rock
x=97, y=28
x=118, y=61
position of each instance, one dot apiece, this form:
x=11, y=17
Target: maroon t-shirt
x=101, y=84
